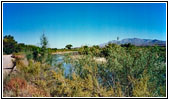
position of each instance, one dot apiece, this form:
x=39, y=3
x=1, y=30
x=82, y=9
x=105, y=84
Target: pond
x=58, y=61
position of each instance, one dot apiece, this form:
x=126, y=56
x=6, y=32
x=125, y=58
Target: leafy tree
x=69, y=46
x=21, y=47
x=36, y=54
x=9, y=44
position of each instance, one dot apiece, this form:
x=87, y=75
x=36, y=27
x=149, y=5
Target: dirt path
x=7, y=64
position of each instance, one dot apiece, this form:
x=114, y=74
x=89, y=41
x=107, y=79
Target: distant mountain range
x=138, y=42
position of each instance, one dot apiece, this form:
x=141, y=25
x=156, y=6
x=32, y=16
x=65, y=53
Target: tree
x=44, y=50
x=117, y=38
x=127, y=45
x=20, y=47
x=44, y=41
x=69, y=46
x=9, y=44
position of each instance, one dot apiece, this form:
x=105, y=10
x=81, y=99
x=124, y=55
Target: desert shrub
x=95, y=50
x=140, y=87
x=18, y=87
x=144, y=65
x=16, y=83
x=84, y=50
x=129, y=71
x=134, y=72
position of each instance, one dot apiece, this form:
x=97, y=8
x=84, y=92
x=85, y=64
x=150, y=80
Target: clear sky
x=83, y=23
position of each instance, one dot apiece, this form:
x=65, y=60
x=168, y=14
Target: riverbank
x=65, y=52
x=97, y=59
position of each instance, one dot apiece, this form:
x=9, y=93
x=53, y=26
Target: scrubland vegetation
x=129, y=71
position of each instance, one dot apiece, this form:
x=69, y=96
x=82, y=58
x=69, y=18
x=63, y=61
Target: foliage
x=69, y=46
x=44, y=44
x=129, y=71
x=9, y=44
x=143, y=64
x=127, y=45
x=18, y=87
x=84, y=50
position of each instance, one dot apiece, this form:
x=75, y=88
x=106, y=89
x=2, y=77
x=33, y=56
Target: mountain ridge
x=137, y=42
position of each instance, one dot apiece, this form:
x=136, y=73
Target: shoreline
x=64, y=52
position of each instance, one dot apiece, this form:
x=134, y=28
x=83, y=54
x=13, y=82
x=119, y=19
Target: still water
x=58, y=60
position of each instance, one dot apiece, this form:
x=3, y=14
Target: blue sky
x=83, y=23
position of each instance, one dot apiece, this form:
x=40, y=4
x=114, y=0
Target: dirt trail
x=7, y=64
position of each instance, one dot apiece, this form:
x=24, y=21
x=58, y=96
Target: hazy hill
x=138, y=42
